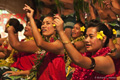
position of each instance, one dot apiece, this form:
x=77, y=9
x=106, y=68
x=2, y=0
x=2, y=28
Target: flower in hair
x=54, y=25
x=7, y=25
x=114, y=31
x=39, y=30
x=100, y=35
x=82, y=28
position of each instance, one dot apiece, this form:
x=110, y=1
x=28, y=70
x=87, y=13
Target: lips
x=73, y=33
x=43, y=30
x=87, y=45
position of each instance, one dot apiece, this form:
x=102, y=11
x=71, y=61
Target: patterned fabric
x=88, y=74
x=52, y=67
x=7, y=77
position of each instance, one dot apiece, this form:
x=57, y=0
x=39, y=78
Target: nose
x=87, y=39
x=43, y=26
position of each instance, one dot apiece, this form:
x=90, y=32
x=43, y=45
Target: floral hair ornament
x=100, y=35
x=39, y=30
x=7, y=25
x=114, y=31
x=54, y=25
x=82, y=28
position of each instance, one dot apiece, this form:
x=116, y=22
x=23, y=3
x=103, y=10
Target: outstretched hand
x=59, y=23
x=29, y=11
x=12, y=73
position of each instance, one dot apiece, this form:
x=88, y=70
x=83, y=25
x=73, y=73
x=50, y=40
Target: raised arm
x=103, y=64
x=54, y=47
x=28, y=46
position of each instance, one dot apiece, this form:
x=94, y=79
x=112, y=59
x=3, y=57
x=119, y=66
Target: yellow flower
x=100, y=35
x=7, y=25
x=39, y=30
x=54, y=25
x=82, y=28
x=114, y=31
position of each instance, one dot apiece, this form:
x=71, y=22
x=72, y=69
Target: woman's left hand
x=12, y=73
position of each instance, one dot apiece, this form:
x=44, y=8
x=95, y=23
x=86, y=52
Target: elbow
x=14, y=45
x=39, y=44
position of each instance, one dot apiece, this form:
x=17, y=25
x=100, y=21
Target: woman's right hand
x=59, y=23
x=29, y=11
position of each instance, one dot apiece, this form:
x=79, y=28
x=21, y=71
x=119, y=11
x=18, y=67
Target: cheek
x=48, y=28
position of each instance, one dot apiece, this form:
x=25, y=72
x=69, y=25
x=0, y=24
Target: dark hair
x=100, y=27
x=38, y=23
x=81, y=24
x=16, y=24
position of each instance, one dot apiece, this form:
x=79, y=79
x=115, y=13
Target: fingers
x=7, y=72
x=27, y=8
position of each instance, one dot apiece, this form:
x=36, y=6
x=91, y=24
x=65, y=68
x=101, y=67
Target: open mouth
x=87, y=45
x=43, y=30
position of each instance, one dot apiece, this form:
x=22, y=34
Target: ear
x=104, y=38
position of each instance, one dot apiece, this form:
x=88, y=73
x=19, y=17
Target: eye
x=91, y=37
x=77, y=28
x=43, y=23
x=86, y=36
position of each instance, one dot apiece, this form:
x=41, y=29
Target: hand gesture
x=12, y=73
x=10, y=28
x=59, y=23
x=29, y=11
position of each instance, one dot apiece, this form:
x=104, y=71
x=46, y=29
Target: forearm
x=72, y=52
x=13, y=40
x=24, y=73
x=82, y=16
x=36, y=33
x=92, y=13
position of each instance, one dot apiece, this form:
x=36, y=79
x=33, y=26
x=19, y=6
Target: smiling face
x=92, y=43
x=28, y=31
x=47, y=27
x=76, y=31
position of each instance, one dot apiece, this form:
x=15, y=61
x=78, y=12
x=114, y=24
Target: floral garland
x=8, y=61
x=38, y=61
x=68, y=60
x=81, y=73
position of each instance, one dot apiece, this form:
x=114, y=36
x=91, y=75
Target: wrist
x=61, y=32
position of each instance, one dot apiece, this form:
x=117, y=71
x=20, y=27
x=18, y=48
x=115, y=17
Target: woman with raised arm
x=23, y=59
x=53, y=66
x=77, y=40
x=95, y=63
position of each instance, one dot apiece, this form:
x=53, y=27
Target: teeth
x=43, y=30
x=73, y=33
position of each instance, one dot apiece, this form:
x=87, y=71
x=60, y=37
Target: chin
x=89, y=50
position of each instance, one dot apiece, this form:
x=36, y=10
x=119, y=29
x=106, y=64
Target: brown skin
x=48, y=31
x=104, y=64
